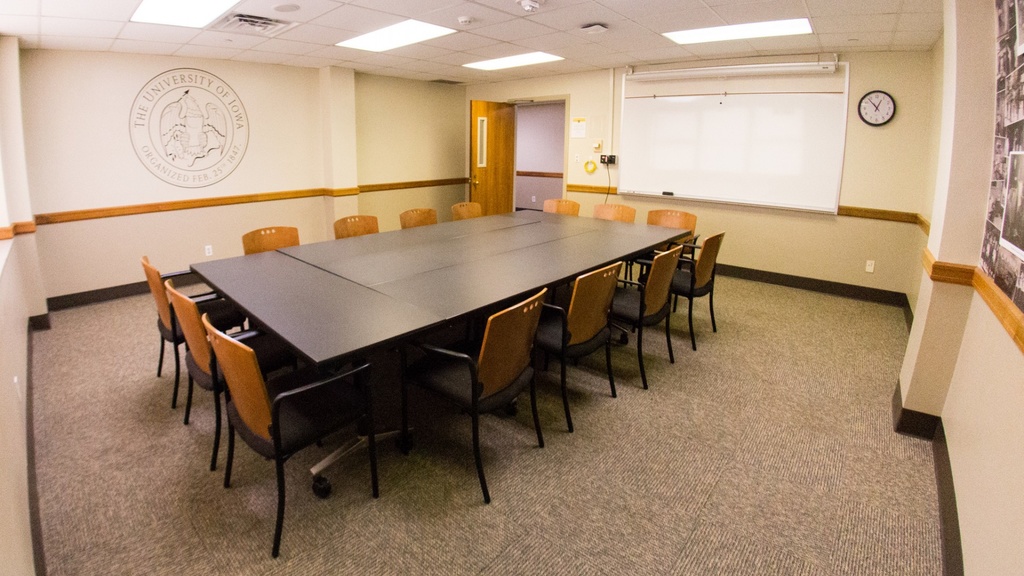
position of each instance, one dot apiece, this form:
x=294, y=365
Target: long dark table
x=336, y=299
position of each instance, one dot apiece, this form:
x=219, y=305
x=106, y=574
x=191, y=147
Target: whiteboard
x=770, y=149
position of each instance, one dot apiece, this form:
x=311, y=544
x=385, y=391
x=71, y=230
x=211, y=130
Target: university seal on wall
x=189, y=128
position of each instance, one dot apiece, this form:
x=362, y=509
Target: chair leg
x=693, y=337
x=479, y=458
x=371, y=439
x=536, y=415
x=231, y=455
x=565, y=396
x=404, y=443
x=279, y=464
x=640, y=354
x=188, y=400
x=216, y=429
x=711, y=305
x=177, y=376
x=608, y=363
x=160, y=362
x=668, y=338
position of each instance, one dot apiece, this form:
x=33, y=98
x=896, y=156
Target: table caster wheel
x=321, y=487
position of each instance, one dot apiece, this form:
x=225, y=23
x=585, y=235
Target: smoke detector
x=595, y=28
x=529, y=5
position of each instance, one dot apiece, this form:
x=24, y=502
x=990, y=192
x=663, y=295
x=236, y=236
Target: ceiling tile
x=921, y=21
x=848, y=7
x=514, y=30
x=357, y=19
x=20, y=8
x=762, y=11
x=922, y=6
x=193, y=51
x=74, y=43
x=461, y=41
x=119, y=10
x=794, y=44
x=730, y=49
x=261, y=57
x=314, y=34
x=49, y=26
x=872, y=40
x=681, y=20
x=550, y=42
x=311, y=62
x=226, y=40
x=419, y=51
x=157, y=32
x=287, y=47
x=19, y=25
x=924, y=40
x=143, y=47
x=575, y=16
x=637, y=9
x=407, y=8
x=862, y=23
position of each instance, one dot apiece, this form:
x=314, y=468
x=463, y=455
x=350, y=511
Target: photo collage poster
x=1002, y=252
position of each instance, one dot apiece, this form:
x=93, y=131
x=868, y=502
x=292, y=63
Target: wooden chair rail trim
x=1008, y=314
x=133, y=210
x=538, y=174
x=24, y=227
x=878, y=214
x=6, y=232
x=591, y=189
x=947, y=272
x=411, y=184
x=1000, y=304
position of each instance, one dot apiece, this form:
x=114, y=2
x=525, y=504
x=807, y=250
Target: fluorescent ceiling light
x=189, y=13
x=396, y=35
x=741, y=31
x=513, y=61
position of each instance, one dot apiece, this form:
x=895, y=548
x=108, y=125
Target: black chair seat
x=307, y=418
x=626, y=307
x=452, y=379
x=549, y=338
x=223, y=314
x=681, y=285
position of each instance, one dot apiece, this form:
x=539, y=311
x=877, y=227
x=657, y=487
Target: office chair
x=359, y=225
x=271, y=352
x=221, y=313
x=668, y=219
x=481, y=381
x=616, y=212
x=466, y=210
x=645, y=303
x=561, y=206
x=417, y=217
x=696, y=278
x=271, y=238
x=279, y=417
x=584, y=328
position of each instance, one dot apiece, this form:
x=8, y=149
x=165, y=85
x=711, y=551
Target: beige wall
x=820, y=246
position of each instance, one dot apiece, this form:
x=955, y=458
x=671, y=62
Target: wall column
x=338, y=108
x=958, y=213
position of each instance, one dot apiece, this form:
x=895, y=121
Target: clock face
x=877, y=108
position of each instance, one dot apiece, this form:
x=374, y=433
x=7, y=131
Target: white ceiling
x=498, y=28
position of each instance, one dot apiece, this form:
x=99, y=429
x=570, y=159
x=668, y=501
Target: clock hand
x=875, y=105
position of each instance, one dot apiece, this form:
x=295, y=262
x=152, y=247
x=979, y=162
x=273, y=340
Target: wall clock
x=876, y=108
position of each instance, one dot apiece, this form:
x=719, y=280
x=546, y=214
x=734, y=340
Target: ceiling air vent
x=253, y=25
x=449, y=82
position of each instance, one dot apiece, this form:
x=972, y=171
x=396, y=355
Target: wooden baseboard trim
x=949, y=519
x=825, y=286
x=35, y=519
x=911, y=422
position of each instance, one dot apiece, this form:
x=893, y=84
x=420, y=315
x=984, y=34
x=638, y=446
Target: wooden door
x=492, y=158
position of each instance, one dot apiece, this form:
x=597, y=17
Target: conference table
x=336, y=300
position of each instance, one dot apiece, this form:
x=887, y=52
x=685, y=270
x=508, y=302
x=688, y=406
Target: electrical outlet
x=869, y=266
x=533, y=199
x=607, y=158
x=209, y=250
x=577, y=158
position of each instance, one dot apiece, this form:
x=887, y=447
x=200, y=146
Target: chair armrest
x=630, y=283
x=176, y=274
x=275, y=407
x=245, y=335
x=438, y=351
x=205, y=297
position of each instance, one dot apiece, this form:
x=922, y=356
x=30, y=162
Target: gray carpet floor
x=768, y=451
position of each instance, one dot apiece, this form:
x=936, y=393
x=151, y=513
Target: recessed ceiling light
x=188, y=13
x=396, y=35
x=513, y=61
x=741, y=31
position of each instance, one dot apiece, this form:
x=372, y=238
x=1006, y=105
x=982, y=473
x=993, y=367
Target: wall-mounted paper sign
x=578, y=127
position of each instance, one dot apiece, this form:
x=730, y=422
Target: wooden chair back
x=508, y=341
x=358, y=225
x=191, y=323
x=418, y=217
x=673, y=219
x=244, y=380
x=591, y=301
x=706, y=260
x=659, y=279
x=562, y=206
x=616, y=212
x=156, y=287
x=466, y=210
x=271, y=238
